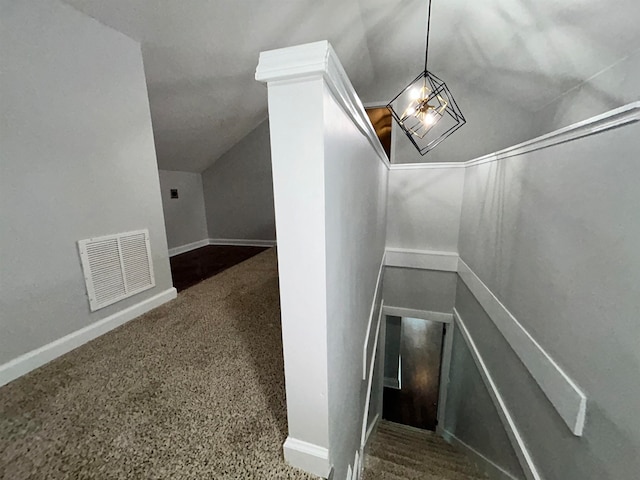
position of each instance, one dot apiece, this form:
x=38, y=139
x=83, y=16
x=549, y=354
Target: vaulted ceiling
x=200, y=55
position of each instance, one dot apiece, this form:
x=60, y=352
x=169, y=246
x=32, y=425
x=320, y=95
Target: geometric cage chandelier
x=425, y=110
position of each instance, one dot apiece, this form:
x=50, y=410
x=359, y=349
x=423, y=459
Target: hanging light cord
x=426, y=49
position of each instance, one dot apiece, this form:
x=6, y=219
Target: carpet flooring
x=192, y=389
x=400, y=452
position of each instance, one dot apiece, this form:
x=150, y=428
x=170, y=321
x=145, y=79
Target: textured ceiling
x=200, y=55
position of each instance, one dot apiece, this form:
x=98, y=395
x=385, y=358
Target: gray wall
x=238, y=190
x=184, y=217
x=554, y=234
x=424, y=208
x=470, y=413
x=613, y=87
x=429, y=290
x=77, y=161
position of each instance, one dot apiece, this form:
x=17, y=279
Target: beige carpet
x=193, y=389
x=399, y=452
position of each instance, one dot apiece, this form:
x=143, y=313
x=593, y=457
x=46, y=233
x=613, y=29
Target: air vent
x=116, y=267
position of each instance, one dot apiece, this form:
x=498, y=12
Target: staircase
x=400, y=452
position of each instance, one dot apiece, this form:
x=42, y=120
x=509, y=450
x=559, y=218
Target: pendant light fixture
x=425, y=109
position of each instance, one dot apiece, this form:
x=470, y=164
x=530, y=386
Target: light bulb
x=429, y=119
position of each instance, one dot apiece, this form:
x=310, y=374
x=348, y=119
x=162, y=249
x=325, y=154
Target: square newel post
x=294, y=77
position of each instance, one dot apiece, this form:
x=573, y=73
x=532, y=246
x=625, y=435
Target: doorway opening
x=416, y=362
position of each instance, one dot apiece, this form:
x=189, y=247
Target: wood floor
x=197, y=265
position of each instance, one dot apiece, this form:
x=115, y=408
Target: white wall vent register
x=116, y=267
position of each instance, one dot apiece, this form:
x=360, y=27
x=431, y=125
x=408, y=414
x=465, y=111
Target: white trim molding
x=188, y=247
x=563, y=393
x=371, y=428
x=307, y=456
x=440, y=317
x=445, y=368
x=493, y=470
x=313, y=60
x=422, y=259
x=372, y=363
x=615, y=118
x=567, y=398
x=367, y=339
x=40, y=356
x=242, y=242
x=518, y=443
x=427, y=166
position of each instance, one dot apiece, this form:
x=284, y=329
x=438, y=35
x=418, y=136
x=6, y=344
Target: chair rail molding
x=618, y=117
x=563, y=393
x=422, y=259
x=519, y=445
x=566, y=397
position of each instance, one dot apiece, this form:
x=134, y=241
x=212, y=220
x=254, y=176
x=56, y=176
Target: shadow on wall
x=255, y=304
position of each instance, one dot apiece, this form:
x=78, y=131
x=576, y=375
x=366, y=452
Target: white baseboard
x=494, y=471
x=518, y=443
x=188, y=247
x=307, y=456
x=36, y=358
x=371, y=429
x=242, y=242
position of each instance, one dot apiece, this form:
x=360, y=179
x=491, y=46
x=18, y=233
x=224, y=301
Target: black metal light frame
x=439, y=94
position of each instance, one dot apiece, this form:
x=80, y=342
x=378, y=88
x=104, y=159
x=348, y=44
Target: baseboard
x=370, y=430
x=524, y=457
x=40, y=356
x=372, y=363
x=188, y=247
x=242, y=242
x=494, y=471
x=307, y=456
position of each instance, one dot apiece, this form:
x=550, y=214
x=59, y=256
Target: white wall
x=355, y=243
x=615, y=86
x=299, y=199
x=238, y=190
x=554, y=233
x=184, y=217
x=77, y=160
x=329, y=257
